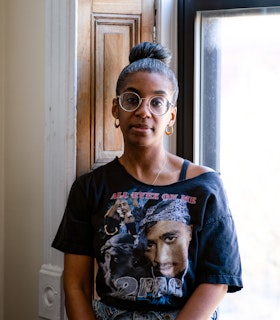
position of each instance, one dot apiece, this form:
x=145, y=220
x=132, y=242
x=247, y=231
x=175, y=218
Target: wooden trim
x=83, y=88
x=120, y=6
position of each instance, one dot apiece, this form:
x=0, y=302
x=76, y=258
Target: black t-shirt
x=154, y=244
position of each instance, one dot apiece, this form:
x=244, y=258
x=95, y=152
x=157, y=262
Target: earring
x=117, y=122
x=169, y=130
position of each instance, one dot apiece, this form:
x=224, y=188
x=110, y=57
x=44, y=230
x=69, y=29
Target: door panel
x=107, y=30
x=114, y=35
x=120, y=6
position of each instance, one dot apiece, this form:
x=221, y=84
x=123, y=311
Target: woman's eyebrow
x=160, y=92
x=132, y=89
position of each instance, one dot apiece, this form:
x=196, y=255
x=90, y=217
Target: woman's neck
x=145, y=165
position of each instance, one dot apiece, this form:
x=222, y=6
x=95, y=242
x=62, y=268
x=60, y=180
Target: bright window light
x=241, y=49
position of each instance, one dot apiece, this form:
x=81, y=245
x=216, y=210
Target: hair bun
x=150, y=50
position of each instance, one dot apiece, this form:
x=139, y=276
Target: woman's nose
x=144, y=108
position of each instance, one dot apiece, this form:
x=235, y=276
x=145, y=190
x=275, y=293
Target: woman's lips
x=141, y=127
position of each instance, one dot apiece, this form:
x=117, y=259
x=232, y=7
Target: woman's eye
x=157, y=102
x=132, y=101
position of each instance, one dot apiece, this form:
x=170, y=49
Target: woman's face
x=141, y=127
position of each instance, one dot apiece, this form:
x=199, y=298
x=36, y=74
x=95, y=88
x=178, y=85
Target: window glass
x=239, y=106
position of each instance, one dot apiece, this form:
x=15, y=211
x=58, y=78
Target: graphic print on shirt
x=146, y=254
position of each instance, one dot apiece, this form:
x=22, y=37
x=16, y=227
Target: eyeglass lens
x=130, y=101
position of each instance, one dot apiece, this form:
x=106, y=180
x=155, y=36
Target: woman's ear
x=115, y=108
x=173, y=116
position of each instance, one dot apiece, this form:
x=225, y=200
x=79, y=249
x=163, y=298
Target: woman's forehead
x=147, y=81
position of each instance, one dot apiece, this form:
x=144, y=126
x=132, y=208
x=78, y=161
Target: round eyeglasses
x=130, y=101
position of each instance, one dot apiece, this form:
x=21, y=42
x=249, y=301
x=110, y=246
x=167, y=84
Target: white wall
x=22, y=120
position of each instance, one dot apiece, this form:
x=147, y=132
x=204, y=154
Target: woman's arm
x=203, y=302
x=78, y=277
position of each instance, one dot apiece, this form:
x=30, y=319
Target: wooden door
x=107, y=30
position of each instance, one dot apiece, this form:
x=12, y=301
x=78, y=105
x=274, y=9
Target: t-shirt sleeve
x=75, y=232
x=219, y=258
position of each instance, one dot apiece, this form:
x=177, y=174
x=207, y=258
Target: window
x=235, y=77
x=187, y=11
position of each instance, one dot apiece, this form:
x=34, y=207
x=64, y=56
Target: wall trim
x=60, y=145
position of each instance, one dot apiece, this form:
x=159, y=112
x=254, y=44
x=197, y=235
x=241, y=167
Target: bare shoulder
x=175, y=167
x=195, y=170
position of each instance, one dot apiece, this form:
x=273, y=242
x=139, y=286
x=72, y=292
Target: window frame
x=186, y=66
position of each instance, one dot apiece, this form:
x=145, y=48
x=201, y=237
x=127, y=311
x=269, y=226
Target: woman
x=170, y=192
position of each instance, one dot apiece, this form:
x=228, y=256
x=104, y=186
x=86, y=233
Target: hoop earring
x=169, y=130
x=117, y=123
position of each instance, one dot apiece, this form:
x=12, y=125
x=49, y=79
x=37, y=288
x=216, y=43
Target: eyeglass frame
x=169, y=104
